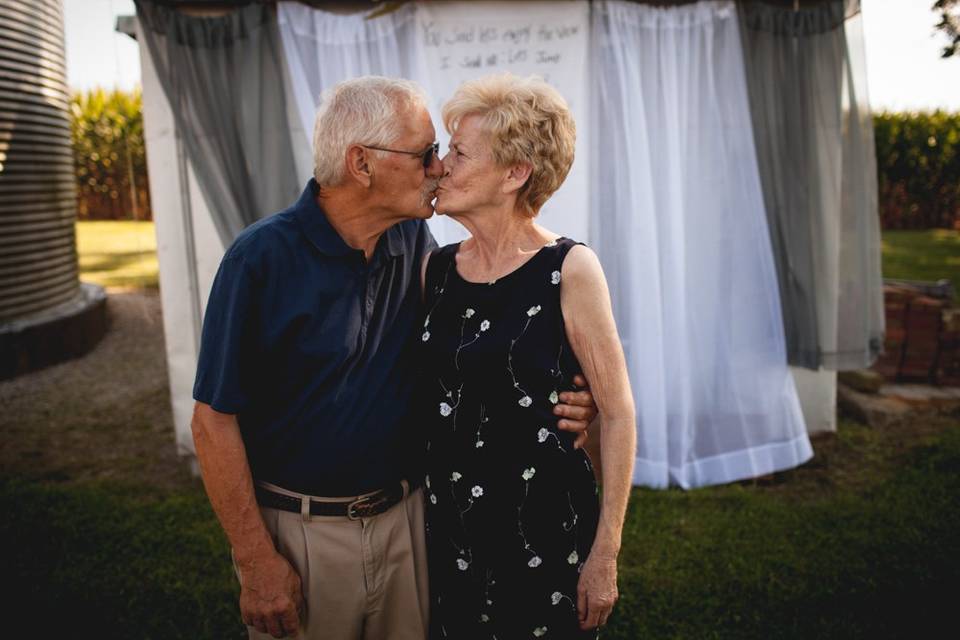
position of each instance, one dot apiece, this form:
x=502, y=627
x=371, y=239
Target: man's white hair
x=365, y=110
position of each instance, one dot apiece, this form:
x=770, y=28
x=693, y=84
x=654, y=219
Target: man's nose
x=435, y=169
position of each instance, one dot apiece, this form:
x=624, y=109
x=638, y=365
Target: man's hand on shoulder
x=577, y=410
x=271, y=598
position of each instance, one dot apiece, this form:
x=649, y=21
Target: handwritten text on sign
x=529, y=44
x=461, y=41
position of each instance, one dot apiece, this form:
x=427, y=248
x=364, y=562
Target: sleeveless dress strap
x=561, y=249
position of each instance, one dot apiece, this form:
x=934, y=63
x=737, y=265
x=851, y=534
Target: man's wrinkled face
x=404, y=185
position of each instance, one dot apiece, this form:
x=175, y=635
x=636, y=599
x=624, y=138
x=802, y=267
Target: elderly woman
x=520, y=545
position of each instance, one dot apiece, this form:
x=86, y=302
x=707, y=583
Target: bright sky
x=904, y=68
x=96, y=54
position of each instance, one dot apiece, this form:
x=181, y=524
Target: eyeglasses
x=426, y=156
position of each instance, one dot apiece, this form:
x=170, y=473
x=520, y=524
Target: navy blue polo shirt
x=310, y=345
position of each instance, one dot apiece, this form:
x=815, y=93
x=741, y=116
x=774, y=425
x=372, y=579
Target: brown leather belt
x=365, y=507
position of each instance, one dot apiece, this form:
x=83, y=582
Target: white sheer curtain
x=814, y=134
x=861, y=309
x=323, y=48
x=678, y=222
x=676, y=216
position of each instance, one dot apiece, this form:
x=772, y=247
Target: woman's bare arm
x=588, y=316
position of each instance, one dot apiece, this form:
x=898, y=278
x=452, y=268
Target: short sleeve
x=228, y=341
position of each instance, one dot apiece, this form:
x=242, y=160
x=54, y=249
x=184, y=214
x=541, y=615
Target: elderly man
x=305, y=374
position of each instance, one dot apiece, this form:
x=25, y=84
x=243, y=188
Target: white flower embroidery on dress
x=535, y=560
x=552, y=243
x=545, y=433
x=427, y=481
x=484, y=617
x=554, y=398
x=477, y=491
x=433, y=498
x=439, y=291
x=455, y=476
x=484, y=325
x=569, y=525
x=525, y=400
x=483, y=420
x=469, y=313
x=556, y=597
x=555, y=277
x=540, y=632
x=573, y=557
x=462, y=564
x=445, y=408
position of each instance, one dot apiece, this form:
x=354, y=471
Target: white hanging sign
x=461, y=41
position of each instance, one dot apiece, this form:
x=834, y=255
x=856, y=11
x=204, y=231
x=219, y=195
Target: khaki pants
x=362, y=579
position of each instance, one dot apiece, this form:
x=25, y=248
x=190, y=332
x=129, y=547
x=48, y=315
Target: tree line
x=918, y=162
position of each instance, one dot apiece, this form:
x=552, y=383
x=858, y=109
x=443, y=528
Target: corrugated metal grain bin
x=39, y=286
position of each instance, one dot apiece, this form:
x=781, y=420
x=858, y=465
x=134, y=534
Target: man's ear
x=358, y=165
x=516, y=177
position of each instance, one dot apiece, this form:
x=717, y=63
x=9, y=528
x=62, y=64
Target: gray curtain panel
x=223, y=77
x=813, y=133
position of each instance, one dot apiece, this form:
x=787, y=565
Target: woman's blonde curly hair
x=527, y=121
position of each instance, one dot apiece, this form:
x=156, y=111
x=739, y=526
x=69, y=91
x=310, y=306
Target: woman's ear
x=358, y=165
x=516, y=177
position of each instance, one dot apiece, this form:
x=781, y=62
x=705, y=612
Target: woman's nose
x=446, y=164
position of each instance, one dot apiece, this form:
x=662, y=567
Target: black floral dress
x=512, y=507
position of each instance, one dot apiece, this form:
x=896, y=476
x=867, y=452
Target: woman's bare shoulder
x=581, y=263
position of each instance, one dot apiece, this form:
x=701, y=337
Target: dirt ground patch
x=103, y=416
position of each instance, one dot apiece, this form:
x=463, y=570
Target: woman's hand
x=597, y=590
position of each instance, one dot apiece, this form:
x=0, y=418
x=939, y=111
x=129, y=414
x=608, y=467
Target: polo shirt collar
x=392, y=241
x=313, y=221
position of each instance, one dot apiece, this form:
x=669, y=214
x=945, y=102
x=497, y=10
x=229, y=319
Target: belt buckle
x=366, y=507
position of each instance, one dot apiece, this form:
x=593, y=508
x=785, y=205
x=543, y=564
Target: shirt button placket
x=365, y=309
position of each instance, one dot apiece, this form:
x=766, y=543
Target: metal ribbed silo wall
x=38, y=259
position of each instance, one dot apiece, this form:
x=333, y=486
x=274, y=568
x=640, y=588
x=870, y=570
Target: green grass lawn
x=862, y=542
x=124, y=254
x=922, y=255
x=118, y=253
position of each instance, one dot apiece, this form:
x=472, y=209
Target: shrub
x=108, y=150
x=918, y=169
x=918, y=162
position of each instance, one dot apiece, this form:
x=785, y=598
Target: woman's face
x=471, y=179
